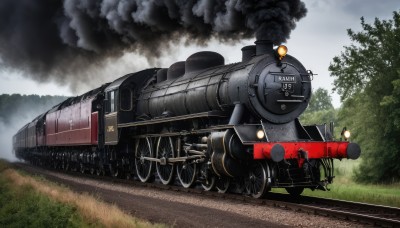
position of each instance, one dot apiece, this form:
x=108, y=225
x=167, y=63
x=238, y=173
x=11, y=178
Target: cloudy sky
x=318, y=37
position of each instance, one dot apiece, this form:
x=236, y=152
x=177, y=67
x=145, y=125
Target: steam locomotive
x=199, y=122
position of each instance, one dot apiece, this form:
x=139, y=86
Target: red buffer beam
x=302, y=150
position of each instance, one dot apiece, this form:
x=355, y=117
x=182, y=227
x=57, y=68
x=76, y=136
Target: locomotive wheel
x=165, y=150
x=144, y=168
x=81, y=168
x=256, y=182
x=54, y=165
x=128, y=175
x=187, y=173
x=222, y=184
x=99, y=172
x=209, y=183
x=66, y=166
x=74, y=167
x=238, y=186
x=208, y=179
x=114, y=170
x=295, y=191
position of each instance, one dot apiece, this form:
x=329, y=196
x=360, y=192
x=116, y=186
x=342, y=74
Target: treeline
x=367, y=77
x=25, y=106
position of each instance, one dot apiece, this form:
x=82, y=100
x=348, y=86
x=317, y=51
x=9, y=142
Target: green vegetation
x=320, y=109
x=24, y=207
x=3, y=165
x=27, y=201
x=367, y=76
x=345, y=188
x=320, y=100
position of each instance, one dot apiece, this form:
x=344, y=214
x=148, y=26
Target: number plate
x=288, y=87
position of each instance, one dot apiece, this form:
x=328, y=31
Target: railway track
x=376, y=215
x=366, y=214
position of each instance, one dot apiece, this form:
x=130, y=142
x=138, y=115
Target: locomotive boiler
x=228, y=127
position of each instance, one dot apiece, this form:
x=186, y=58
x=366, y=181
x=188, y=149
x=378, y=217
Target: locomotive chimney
x=248, y=52
x=263, y=47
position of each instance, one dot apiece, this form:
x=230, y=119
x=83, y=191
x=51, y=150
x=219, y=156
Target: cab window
x=126, y=99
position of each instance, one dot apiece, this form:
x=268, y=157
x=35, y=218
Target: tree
x=367, y=77
x=320, y=100
x=319, y=117
x=320, y=109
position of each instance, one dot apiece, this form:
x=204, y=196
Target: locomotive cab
x=120, y=103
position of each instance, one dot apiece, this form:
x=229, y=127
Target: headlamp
x=260, y=134
x=345, y=133
x=282, y=51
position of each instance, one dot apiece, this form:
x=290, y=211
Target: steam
x=16, y=112
x=63, y=39
x=7, y=132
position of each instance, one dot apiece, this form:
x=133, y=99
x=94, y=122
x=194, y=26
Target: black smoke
x=54, y=38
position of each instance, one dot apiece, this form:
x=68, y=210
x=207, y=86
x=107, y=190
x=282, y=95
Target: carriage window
x=109, y=102
x=112, y=101
x=126, y=99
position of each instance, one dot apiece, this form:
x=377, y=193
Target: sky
x=317, y=38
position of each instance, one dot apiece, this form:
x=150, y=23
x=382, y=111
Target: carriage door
x=111, y=118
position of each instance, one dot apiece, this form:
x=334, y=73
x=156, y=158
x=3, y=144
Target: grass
x=345, y=188
x=26, y=201
x=22, y=206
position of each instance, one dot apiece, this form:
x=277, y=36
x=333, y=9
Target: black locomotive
x=231, y=127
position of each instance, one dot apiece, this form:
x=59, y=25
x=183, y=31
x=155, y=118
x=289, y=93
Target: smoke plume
x=58, y=39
